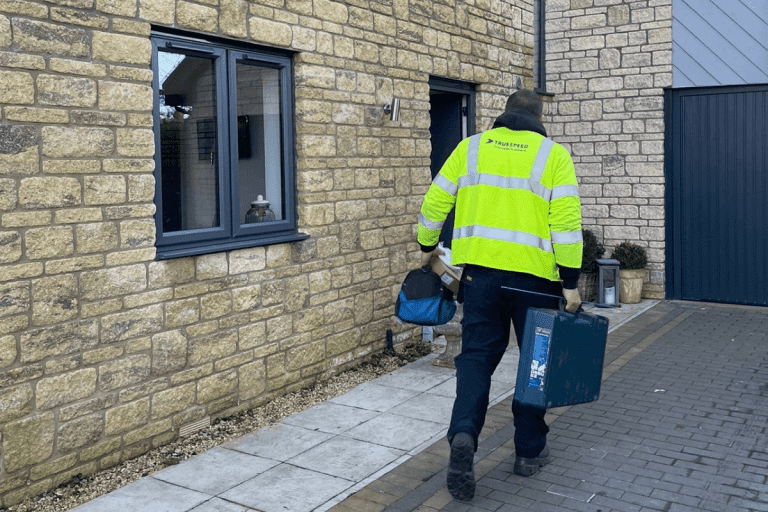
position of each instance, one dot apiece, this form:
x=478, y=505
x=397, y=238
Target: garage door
x=717, y=194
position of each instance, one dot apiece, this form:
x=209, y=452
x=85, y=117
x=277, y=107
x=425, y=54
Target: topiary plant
x=593, y=250
x=630, y=256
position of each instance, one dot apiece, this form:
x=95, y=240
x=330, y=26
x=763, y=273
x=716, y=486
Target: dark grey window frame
x=231, y=233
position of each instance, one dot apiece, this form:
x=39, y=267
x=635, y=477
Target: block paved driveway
x=681, y=426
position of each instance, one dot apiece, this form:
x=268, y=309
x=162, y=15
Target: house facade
x=139, y=298
x=204, y=204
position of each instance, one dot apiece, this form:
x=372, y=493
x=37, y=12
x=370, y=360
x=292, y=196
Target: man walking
x=517, y=224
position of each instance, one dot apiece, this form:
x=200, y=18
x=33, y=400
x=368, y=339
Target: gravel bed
x=83, y=489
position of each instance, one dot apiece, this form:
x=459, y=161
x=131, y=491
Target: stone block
x=124, y=96
x=621, y=233
x=123, y=372
x=126, y=417
x=120, y=7
x=246, y=299
x=80, y=18
x=171, y=272
x=197, y=17
x=247, y=260
x=58, y=340
x=135, y=142
x=96, y=237
x=618, y=15
x=16, y=401
x=26, y=219
x=252, y=335
x=14, y=298
x=270, y=32
x=182, y=312
x=169, y=352
x=215, y=305
x=211, y=266
x=588, y=22
x=137, y=233
x=10, y=248
x=141, y=189
x=216, y=386
x=305, y=355
x=16, y=88
x=121, y=48
x=77, y=142
x=54, y=299
x=100, y=284
x=41, y=38
x=66, y=91
x=71, y=166
x=252, y=380
x=45, y=243
x=212, y=347
x=7, y=194
x=8, y=351
x=49, y=192
x=169, y=402
x=132, y=324
x=66, y=388
x=84, y=431
x=28, y=441
x=232, y=17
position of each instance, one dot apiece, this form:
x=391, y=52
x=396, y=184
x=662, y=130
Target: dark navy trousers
x=488, y=312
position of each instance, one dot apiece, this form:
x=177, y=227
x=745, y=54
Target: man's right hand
x=572, y=299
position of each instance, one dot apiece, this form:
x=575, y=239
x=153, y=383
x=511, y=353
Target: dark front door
x=717, y=194
x=452, y=119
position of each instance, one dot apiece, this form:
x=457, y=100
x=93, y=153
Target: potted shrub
x=593, y=250
x=632, y=260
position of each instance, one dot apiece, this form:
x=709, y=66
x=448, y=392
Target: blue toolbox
x=561, y=360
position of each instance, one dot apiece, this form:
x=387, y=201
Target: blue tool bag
x=423, y=300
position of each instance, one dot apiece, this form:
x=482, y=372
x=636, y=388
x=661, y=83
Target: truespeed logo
x=509, y=146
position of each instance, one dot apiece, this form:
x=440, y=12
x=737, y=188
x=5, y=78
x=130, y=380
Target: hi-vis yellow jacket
x=517, y=204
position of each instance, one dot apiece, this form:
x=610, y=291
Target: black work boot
x=530, y=466
x=461, y=475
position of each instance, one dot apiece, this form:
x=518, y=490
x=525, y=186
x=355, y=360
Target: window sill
x=183, y=251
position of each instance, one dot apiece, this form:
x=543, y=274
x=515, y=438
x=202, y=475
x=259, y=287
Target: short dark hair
x=525, y=100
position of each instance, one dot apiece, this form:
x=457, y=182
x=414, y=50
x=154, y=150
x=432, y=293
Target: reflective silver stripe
x=572, y=237
x=445, y=184
x=474, y=146
x=504, y=235
x=565, y=191
x=541, y=159
x=429, y=224
x=507, y=183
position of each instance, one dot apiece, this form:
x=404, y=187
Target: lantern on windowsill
x=259, y=211
x=608, y=282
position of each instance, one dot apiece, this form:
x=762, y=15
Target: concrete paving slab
x=219, y=505
x=330, y=417
x=396, y=431
x=215, y=471
x=427, y=407
x=420, y=381
x=346, y=458
x=278, y=442
x=147, y=495
x=374, y=397
x=287, y=488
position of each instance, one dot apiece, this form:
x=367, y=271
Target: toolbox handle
x=561, y=300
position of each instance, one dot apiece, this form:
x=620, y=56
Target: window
x=224, y=147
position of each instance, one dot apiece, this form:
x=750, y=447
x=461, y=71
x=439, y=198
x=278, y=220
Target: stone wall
x=105, y=352
x=607, y=63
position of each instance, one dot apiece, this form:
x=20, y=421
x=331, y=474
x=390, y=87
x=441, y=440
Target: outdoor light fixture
x=608, y=282
x=393, y=109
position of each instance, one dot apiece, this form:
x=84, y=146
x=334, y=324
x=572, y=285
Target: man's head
x=525, y=100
